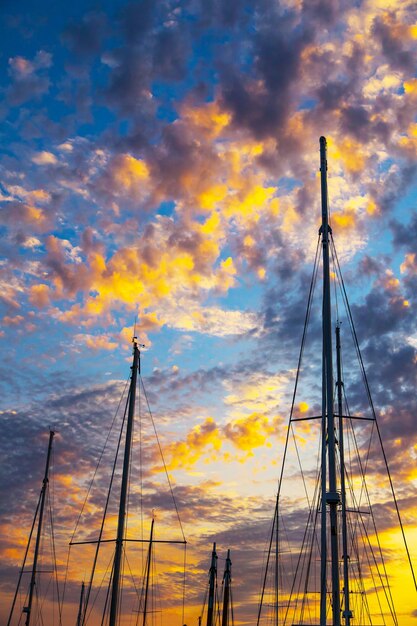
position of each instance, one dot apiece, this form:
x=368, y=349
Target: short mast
x=212, y=587
x=227, y=584
x=124, y=488
x=330, y=496
x=81, y=606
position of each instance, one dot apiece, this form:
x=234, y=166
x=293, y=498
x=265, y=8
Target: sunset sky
x=159, y=163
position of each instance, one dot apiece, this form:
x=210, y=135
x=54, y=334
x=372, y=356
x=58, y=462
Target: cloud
x=44, y=158
x=19, y=214
x=96, y=343
x=29, y=78
x=214, y=321
x=249, y=432
x=393, y=36
x=165, y=166
x=256, y=391
x=39, y=295
x=84, y=37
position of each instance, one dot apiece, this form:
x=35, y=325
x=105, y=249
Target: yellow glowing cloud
x=249, y=432
x=203, y=437
x=410, y=86
x=211, y=196
x=127, y=173
x=349, y=152
x=203, y=442
x=345, y=220
x=169, y=272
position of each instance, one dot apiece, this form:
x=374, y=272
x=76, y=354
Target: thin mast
x=148, y=570
x=123, y=492
x=276, y=564
x=212, y=587
x=28, y=609
x=330, y=497
x=347, y=613
x=227, y=582
x=81, y=606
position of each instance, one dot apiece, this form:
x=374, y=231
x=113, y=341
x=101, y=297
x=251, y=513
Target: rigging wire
x=88, y=492
x=365, y=379
x=163, y=459
x=303, y=339
x=104, y=513
x=303, y=567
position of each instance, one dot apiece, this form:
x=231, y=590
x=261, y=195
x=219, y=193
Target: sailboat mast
x=81, y=605
x=227, y=581
x=124, y=488
x=148, y=570
x=28, y=608
x=212, y=587
x=347, y=613
x=331, y=496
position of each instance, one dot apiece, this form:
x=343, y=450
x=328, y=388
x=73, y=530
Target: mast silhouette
x=212, y=587
x=330, y=497
x=40, y=508
x=348, y=589
x=81, y=605
x=347, y=613
x=148, y=571
x=115, y=591
x=227, y=589
x=28, y=608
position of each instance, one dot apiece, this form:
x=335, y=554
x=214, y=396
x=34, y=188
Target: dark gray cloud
x=263, y=109
x=85, y=36
x=405, y=235
x=394, y=46
x=29, y=78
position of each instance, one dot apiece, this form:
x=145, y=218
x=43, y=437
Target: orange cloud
x=208, y=118
x=39, y=295
x=99, y=342
x=13, y=321
x=409, y=264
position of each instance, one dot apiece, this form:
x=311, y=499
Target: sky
x=159, y=172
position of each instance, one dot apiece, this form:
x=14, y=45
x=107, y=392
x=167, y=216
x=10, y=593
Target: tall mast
x=227, y=582
x=212, y=587
x=347, y=613
x=148, y=570
x=330, y=495
x=28, y=609
x=123, y=492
